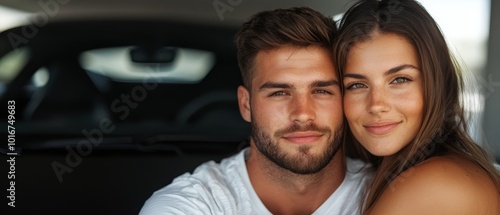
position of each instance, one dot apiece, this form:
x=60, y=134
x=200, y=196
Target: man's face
x=295, y=108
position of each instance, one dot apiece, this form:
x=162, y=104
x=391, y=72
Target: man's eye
x=278, y=93
x=322, y=92
x=400, y=80
x=355, y=86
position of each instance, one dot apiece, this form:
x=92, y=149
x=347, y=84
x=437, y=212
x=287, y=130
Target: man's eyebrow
x=325, y=83
x=388, y=72
x=269, y=85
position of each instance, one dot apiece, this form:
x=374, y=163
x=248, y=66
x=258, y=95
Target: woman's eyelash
x=355, y=86
x=397, y=80
x=401, y=79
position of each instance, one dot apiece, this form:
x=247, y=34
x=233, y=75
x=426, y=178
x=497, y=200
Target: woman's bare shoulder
x=445, y=184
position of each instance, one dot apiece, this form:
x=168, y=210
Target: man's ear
x=244, y=103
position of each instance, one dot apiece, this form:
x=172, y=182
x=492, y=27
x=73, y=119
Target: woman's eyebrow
x=388, y=72
x=399, y=68
x=354, y=75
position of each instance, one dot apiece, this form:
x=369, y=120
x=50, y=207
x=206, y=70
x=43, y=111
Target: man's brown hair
x=297, y=26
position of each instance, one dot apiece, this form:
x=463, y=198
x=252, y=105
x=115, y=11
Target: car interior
x=159, y=125
x=114, y=100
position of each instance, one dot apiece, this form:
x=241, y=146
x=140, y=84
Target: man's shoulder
x=202, y=190
x=211, y=171
x=208, y=175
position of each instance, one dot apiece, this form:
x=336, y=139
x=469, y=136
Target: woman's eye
x=355, y=86
x=400, y=80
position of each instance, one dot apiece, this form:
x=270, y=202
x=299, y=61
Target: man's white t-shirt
x=225, y=188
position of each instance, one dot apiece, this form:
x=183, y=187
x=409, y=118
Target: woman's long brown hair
x=444, y=126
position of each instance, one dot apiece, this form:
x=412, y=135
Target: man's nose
x=302, y=109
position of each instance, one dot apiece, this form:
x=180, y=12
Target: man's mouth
x=303, y=137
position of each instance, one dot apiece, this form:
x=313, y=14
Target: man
x=295, y=163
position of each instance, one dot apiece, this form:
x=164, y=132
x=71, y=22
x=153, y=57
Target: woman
x=401, y=100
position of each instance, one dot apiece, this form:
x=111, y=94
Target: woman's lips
x=381, y=128
x=303, y=137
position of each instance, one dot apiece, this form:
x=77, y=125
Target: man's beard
x=303, y=162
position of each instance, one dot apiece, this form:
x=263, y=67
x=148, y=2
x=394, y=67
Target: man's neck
x=285, y=192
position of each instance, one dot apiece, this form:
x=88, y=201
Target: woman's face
x=383, y=99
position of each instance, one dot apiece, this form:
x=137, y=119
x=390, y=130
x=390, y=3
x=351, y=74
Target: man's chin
x=302, y=161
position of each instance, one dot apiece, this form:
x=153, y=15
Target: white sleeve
x=188, y=197
x=169, y=200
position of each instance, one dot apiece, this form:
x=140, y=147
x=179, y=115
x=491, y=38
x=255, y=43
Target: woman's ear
x=244, y=103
